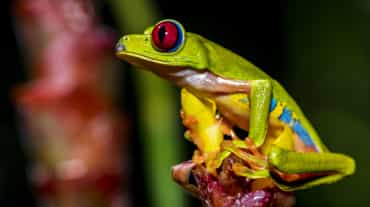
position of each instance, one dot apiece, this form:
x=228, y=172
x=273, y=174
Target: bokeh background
x=319, y=50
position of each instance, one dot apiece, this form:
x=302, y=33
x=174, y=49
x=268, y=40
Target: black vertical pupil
x=162, y=33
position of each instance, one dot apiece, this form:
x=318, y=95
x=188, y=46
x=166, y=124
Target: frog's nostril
x=120, y=47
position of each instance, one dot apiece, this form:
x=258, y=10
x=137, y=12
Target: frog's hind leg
x=328, y=167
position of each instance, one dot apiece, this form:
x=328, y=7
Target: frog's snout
x=120, y=47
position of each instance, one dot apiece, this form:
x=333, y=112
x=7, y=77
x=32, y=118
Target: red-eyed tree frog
x=222, y=91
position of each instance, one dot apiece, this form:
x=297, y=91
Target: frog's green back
x=225, y=63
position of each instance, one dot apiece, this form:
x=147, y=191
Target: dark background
x=319, y=50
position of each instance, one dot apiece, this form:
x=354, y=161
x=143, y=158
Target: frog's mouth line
x=202, y=81
x=148, y=63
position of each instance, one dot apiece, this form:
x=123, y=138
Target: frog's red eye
x=167, y=36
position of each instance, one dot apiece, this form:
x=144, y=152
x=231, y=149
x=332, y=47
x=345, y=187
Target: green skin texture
x=199, y=53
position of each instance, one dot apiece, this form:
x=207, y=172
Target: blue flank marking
x=302, y=133
x=286, y=117
x=273, y=104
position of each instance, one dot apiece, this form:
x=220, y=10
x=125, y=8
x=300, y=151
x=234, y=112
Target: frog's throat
x=207, y=83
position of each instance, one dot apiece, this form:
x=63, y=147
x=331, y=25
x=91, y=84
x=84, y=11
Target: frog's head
x=165, y=45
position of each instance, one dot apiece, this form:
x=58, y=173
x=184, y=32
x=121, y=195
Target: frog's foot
x=244, y=171
x=248, y=144
x=253, y=148
x=251, y=166
x=255, y=162
x=239, y=148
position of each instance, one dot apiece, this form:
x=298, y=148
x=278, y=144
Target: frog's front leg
x=324, y=167
x=260, y=98
x=259, y=93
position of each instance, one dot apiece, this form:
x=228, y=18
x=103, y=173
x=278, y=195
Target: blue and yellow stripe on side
x=279, y=110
